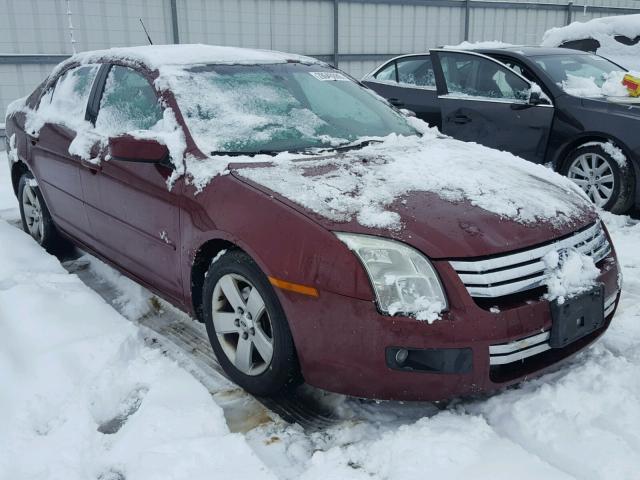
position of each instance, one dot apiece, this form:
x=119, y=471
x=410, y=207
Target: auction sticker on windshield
x=329, y=76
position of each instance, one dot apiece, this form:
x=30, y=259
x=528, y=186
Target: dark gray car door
x=482, y=100
x=408, y=82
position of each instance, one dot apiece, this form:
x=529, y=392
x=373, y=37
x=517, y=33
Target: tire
x=36, y=219
x=232, y=324
x=590, y=160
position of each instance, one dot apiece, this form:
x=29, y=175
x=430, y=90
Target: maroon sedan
x=319, y=233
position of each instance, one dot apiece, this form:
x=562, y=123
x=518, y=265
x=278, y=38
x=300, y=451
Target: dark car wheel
x=36, y=219
x=247, y=326
x=608, y=183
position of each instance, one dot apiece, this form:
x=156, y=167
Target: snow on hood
x=363, y=184
x=604, y=30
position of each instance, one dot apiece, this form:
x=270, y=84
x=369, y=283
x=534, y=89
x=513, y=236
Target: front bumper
x=343, y=343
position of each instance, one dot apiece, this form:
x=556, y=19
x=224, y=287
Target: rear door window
x=128, y=103
x=416, y=72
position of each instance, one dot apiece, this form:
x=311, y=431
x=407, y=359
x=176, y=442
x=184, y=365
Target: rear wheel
x=247, y=327
x=36, y=219
x=608, y=183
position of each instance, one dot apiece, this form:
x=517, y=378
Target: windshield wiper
x=232, y=153
x=355, y=145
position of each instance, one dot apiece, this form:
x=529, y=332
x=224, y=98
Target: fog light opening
x=401, y=356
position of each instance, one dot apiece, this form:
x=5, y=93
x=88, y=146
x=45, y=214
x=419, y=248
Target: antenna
x=73, y=40
x=145, y=31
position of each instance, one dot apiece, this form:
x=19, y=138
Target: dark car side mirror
x=132, y=149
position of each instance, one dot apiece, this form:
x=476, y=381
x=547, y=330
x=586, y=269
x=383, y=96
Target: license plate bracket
x=577, y=316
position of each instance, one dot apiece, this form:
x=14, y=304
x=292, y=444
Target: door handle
x=33, y=139
x=396, y=102
x=92, y=167
x=461, y=119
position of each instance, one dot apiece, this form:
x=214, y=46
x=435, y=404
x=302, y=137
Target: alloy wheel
x=593, y=174
x=242, y=324
x=33, y=213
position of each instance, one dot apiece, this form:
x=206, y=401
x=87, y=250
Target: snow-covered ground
x=84, y=395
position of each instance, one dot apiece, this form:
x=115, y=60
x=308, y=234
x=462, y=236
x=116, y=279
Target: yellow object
x=293, y=287
x=633, y=85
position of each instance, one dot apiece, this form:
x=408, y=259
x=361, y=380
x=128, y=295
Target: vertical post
x=569, y=12
x=174, y=22
x=467, y=10
x=335, y=32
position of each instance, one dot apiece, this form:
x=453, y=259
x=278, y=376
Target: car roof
x=154, y=57
x=528, y=50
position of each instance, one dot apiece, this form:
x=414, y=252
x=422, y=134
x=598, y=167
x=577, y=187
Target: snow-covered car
x=317, y=232
x=616, y=38
x=553, y=106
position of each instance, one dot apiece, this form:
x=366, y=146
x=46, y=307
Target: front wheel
x=247, y=326
x=608, y=182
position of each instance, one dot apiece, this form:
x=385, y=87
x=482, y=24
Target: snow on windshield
x=591, y=87
x=363, y=184
x=276, y=108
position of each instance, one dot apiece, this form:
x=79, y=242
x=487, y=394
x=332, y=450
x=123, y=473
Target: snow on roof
x=627, y=25
x=604, y=30
x=157, y=56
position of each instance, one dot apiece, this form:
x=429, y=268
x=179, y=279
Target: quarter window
x=388, y=73
x=474, y=76
x=67, y=100
x=128, y=103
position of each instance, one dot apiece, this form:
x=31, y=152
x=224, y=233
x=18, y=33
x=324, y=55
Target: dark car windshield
x=561, y=67
x=285, y=107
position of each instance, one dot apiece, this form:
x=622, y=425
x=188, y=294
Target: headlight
x=403, y=279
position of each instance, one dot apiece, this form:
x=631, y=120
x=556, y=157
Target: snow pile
x=608, y=147
x=604, y=31
x=466, y=45
x=86, y=398
x=363, y=184
x=570, y=272
x=589, y=87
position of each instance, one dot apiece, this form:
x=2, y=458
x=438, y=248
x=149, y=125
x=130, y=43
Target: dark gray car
x=512, y=99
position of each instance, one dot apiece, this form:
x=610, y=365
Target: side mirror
x=132, y=149
x=408, y=113
x=536, y=98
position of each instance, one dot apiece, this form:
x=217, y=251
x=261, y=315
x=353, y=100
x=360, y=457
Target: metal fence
x=356, y=35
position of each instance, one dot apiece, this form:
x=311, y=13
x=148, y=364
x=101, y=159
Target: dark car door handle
x=92, y=167
x=396, y=102
x=460, y=119
x=33, y=139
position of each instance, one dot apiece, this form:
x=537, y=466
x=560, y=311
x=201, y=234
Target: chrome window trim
x=511, y=101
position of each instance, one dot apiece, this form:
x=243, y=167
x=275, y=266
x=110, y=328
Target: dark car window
x=67, y=99
x=475, y=76
x=416, y=71
x=388, y=73
x=128, y=103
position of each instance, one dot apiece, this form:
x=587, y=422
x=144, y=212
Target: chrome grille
x=518, y=272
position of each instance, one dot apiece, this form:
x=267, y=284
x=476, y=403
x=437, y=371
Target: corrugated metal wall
x=368, y=31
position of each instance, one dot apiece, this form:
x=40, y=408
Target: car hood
x=447, y=198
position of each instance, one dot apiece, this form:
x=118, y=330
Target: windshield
x=561, y=68
x=268, y=108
